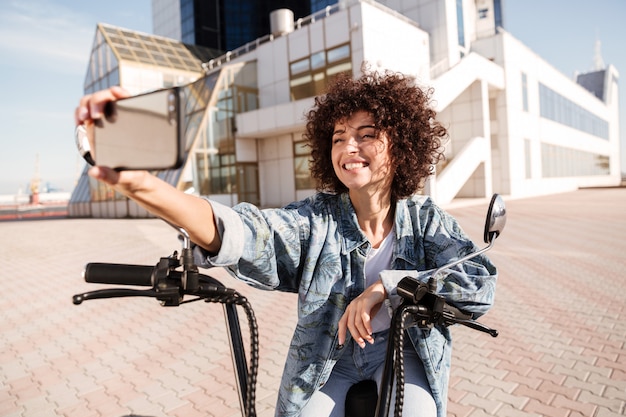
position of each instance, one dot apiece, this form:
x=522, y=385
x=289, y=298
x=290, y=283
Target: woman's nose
x=352, y=144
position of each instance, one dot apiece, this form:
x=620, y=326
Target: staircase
x=476, y=152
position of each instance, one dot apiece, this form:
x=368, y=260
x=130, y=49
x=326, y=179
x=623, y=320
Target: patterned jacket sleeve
x=260, y=247
x=469, y=286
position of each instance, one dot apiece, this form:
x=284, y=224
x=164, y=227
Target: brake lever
x=112, y=293
x=473, y=324
x=433, y=309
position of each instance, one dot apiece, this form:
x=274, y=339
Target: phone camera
x=110, y=112
x=171, y=108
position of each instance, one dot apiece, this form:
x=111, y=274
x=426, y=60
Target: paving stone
x=578, y=405
x=542, y=409
x=554, y=358
x=508, y=411
x=613, y=404
x=603, y=412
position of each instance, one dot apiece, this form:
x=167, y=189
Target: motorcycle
x=176, y=277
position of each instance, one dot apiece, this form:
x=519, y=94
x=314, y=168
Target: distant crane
x=34, y=183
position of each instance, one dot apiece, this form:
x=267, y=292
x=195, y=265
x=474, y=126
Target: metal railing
x=298, y=24
x=251, y=46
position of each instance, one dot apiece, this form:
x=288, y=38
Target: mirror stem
x=463, y=259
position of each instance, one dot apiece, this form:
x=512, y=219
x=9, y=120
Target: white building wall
x=438, y=18
x=276, y=178
x=385, y=35
x=484, y=24
x=299, y=44
x=273, y=72
x=337, y=27
x=138, y=78
x=482, y=100
x=515, y=126
x=317, y=37
x=612, y=99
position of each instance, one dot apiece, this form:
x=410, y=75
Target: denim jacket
x=315, y=247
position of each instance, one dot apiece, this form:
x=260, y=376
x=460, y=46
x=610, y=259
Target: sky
x=45, y=47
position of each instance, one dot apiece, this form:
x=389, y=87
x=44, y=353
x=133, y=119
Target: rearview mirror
x=496, y=218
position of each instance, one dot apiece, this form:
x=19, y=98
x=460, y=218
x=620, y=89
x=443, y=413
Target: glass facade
x=310, y=76
x=103, y=68
x=241, y=23
x=209, y=107
x=161, y=61
x=317, y=5
x=187, y=22
x=228, y=24
x=558, y=161
x=557, y=108
x=214, y=163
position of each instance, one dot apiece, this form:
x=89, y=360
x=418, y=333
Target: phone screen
x=140, y=132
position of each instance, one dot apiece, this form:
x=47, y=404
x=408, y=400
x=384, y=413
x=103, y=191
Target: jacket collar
x=405, y=234
x=353, y=237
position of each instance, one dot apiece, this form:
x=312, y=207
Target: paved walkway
x=560, y=311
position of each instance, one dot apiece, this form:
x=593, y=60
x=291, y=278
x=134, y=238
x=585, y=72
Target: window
x=524, y=91
x=301, y=156
x=558, y=161
x=216, y=173
x=557, y=108
x=310, y=76
x=460, y=22
x=497, y=11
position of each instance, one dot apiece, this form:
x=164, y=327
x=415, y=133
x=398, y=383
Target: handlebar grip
x=119, y=274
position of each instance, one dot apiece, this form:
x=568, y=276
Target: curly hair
x=400, y=109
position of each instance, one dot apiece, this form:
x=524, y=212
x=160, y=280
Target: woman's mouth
x=354, y=165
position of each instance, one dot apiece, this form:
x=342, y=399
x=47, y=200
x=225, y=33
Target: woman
x=374, y=141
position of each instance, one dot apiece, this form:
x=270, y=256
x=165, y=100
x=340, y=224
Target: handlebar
x=119, y=274
x=170, y=285
x=433, y=308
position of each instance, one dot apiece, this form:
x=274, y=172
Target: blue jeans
x=358, y=364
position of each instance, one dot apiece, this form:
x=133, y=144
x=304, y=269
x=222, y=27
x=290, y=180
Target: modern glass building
x=517, y=126
x=219, y=24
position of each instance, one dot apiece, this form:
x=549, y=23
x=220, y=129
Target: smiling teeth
x=354, y=165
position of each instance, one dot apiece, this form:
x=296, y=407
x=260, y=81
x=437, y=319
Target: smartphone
x=141, y=132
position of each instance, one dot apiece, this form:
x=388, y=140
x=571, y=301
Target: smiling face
x=360, y=154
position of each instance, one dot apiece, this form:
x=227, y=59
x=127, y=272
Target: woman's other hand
x=357, y=319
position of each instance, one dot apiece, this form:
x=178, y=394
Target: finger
x=355, y=327
x=341, y=336
x=364, y=327
x=99, y=99
x=346, y=324
x=92, y=106
x=81, y=114
x=360, y=319
x=104, y=174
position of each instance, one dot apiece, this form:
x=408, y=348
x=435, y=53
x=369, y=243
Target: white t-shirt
x=378, y=260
